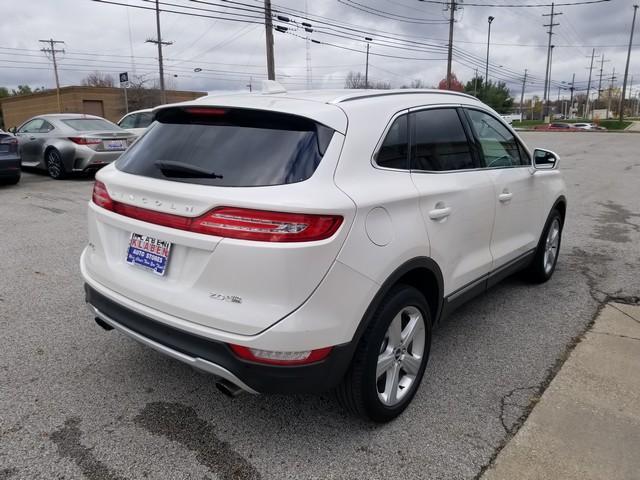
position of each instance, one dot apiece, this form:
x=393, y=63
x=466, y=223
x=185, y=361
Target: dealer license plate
x=148, y=252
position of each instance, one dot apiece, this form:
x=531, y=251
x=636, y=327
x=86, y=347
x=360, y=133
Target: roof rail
x=378, y=93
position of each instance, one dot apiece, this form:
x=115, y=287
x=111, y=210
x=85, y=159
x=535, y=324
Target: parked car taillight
x=12, y=142
x=271, y=357
x=85, y=140
x=231, y=222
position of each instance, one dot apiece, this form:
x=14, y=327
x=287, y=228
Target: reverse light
x=272, y=357
x=231, y=222
x=85, y=140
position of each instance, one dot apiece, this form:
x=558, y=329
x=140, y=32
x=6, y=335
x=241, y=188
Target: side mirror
x=545, y=159
x=13, y=130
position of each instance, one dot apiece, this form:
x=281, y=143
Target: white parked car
x=303, y=242
x=137, y=122
x=588, y=126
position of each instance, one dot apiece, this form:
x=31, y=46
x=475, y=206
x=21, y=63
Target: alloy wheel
x=551, y=246
x=401, y=355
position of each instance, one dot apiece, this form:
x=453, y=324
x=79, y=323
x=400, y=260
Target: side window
x=144, y=119
x=439, y=141
x=46, y=127
x=394, y=152
x=32, y=127
x=499, y=147
x=128, y=122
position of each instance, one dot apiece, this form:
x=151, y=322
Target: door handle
x=32, y=138
x=505, y=197
x=440, y=213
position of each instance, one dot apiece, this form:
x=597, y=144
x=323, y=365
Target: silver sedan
x=66, y=143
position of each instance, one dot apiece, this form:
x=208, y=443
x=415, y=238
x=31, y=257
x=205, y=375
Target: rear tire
x=544, y=262
x=55, y=165
x=390, y=359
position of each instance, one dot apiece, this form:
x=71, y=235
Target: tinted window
x=499, y=146
x=439, y=141
x=90, y=124
x=394, y=152
x=228, y=147
x=46, y=127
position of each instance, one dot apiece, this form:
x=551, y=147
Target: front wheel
x=390, y=359
x=55, y=165
x=544, y=262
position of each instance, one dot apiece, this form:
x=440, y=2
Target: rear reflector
x=271, y=357
x=231, y=222
x=85, y=140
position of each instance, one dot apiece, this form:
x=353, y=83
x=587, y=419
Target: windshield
x=90, y=124
x=228, y=147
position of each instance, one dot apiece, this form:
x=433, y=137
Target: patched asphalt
x=78, y=402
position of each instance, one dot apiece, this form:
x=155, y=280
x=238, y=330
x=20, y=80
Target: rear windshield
x=90, y=124
x=228, y=147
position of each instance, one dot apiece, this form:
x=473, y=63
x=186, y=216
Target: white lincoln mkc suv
x=311, y=241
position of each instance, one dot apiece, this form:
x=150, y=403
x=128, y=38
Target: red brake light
x=206, y=111
x=85, y=140
x=266, y=226
x=270, y=357
x=230, y=222
x=101, y=197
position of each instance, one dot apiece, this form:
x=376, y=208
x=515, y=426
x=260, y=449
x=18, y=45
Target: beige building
x=102, y=101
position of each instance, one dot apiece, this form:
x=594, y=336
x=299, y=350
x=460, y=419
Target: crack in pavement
x=615, y=335
x=625, y=313
x=504, y=404
x=67, y=439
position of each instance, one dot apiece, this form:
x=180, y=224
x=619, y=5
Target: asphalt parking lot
x=79, y=402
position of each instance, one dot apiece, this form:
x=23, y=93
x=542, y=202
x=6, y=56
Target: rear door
x=456, y=196
x=27, y=136
x=518, y=216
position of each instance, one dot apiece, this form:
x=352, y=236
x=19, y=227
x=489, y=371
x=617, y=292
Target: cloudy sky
x=409, y=39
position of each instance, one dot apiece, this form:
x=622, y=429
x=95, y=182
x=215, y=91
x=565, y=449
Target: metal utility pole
x=550, y=32
x=626, y=68
x=268, y=25
x=613, y=79
x=453, y=6
x=475, y=83
x=602, y=61
x=586, y=105
x=52, y=51
x=158, y=41
x=572, y=88
x=486, y=70
x=524, y=82
x=366, y=68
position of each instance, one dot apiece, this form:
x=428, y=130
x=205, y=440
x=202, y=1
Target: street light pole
x=486, y=71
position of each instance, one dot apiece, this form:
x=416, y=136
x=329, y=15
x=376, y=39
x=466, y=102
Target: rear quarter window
x=228, y=147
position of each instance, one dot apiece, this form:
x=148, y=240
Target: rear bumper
x=217, y=358
x=9, y=167
x=88, y=159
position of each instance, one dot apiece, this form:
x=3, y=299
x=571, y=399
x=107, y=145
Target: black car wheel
x=55, y=166
x=546, y=257
x=390, y=359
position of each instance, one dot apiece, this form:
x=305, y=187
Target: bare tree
x=417, y=83
x=357, y=80
x=98, y=79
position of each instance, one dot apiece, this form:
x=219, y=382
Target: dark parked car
x=65, y=143
x=9, y=159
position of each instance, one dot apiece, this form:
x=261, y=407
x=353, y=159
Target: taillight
x=271, y=357
x=101, y=197
x=230, y=222
x=266, y=226
x=85, y=140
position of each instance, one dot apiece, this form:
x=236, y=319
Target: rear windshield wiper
x=184, y=170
